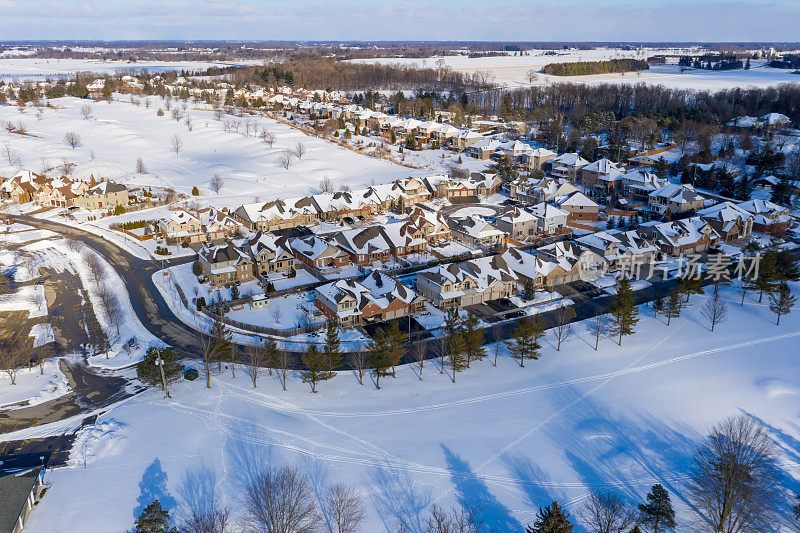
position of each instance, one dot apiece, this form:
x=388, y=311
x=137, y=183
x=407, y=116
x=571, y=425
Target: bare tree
x=140, y=168
x=72, y=139
x=218, y=114
x=285, y=360
x=439, y=347
x=325, y=185
x=357, y=360
x=86, y=111
x=11, y=359
x=10, y=155
x=208, y=354
x=111, y=305
x=37, y=299
x=563, y=328
x=606, y=512
x=255, y=359
x=280, y=501
x=418, y=353
x=286, y=158
x=95, y=267
x=462, y=520
x=175, y=144
x=177, y=114
x=268, y=137
x=598, y=325
x=73, y=243
x=277, y=313
x=299, y=150
x=344, y=509
x=735, y=481
x=189, y=123
x=200, y=508
x=715, y=310
x=215, y=183
x=497, y=336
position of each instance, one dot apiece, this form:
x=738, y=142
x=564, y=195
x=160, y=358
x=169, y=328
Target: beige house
x=476, y=232
x=105, y=195
x=225, y=265
x=467, y=283
x=270, y=254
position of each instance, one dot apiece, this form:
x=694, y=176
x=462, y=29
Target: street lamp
x=160, y=364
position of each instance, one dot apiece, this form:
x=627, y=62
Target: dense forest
x=585, y=68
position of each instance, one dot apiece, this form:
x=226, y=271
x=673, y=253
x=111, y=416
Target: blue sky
x=436, y=20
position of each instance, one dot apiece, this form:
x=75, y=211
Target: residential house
x=431, y=224
x=549, y=218
x=579, y=206
x=518, y=223
x=476, y=232
x=204, y=226
x=458, y=285
x=270, y=254
x=685, y=236
x=565, y=262
x=619, y=247
x=277, y=214
x=730, y=221
x=768, y=218
x=484, y=148
x=536, y=158
x=225, y=265
x=336, y=206
x=104, y=195
x=637, y=185
x=567, y=166
x=601, y=177
x=375, y=297
x=318, y=252
x=673, y=199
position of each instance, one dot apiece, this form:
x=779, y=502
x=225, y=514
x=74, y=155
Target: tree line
x=584, y=68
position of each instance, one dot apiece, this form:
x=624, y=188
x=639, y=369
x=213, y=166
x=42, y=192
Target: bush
x=162, y=250
x=234, y=292
x=133, y=224
x=184, y=244
x=292, y=273
x=197, y=270
x=201, y=303
x=119, y=210
x=195, y=191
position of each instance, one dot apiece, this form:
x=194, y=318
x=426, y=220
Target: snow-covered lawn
x=621, y=418
x=280, y=280
x=117, y=134
x=33, y=387
x=290, y=311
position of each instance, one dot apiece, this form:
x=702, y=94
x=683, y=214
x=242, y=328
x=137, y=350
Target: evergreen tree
x=781, y=301
x=316, y=367
x=658, y=305
x=379, y=358
x=529, y=292
x=636, y=529
x=689, y=285
x=624, y=314
x=332, y=349
x=674, y=305
x=524, y=342
x=154, y=519
x=195, y=191
x=457, y=355
x=473, y=338
x=397, y=344
x=147, y=370
x=657, y=513
x=551, y=519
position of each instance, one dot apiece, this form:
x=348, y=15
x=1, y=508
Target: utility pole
x=160, y=364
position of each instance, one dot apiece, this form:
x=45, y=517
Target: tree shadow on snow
x=198, y=492
x=246, y=460
x=399, y=502
x=153, y=486
x=532, y=481
x=471, y=491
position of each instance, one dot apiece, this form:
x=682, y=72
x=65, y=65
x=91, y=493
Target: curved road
x=150, y=307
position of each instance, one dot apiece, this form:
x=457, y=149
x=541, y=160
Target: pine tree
x=551, y=519
x=473, y=338
x=316, y=367
x=195, y=191
x=529, y=292
x=524, y=342
x=690, y=285
x=397, y=344
x=457, y=354
x=624, y=314
x=148, y=372
x=332, y=349
x=658, y=305
x=379, y=358
x=657, y=513
x=154, y=519
x=674, y=305
x=781, y=301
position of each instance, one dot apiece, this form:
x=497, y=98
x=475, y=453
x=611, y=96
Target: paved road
x=150, y=307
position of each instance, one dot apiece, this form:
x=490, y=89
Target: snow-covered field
x=33, y=386
x=18, y=69
x=117, y=134
x=512, y=71
x=512, y=439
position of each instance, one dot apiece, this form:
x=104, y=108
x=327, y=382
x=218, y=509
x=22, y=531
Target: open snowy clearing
x=33, y=386
x=18, y=69
x=510, y=438
x=117, y=134
x=512, y=71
